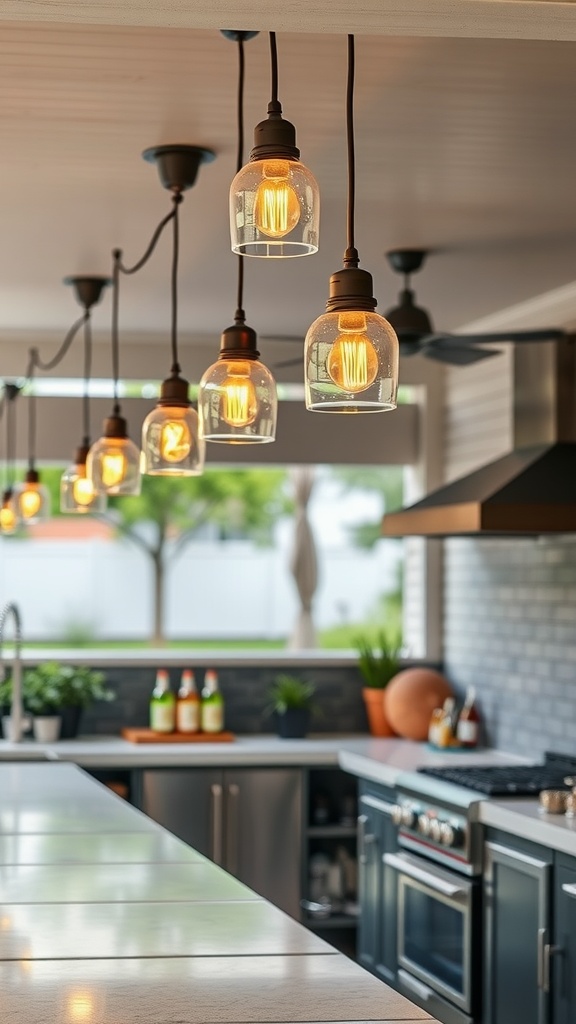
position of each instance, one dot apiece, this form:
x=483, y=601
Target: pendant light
x=31, y=496
x=171, y=442
x=113, y=462
x=351, y=352
x=237, y=399
x=274, y=199
x=77, y=492
x=9, y=514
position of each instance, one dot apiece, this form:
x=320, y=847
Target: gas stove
x=509, y=780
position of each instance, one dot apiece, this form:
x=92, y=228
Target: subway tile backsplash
x=510, y=630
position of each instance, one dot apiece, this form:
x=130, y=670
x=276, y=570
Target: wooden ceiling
x=465, y=146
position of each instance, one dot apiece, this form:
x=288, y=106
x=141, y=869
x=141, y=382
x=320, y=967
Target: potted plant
x=42, y=699
x=290, y=701
x=77, y=686
x=378, y=663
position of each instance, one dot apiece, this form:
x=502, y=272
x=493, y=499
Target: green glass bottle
x=162, y=704
x=212, y=707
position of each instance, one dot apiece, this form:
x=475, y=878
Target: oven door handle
x=421, y=875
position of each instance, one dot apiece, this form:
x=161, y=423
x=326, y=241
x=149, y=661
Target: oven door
x=434, y=929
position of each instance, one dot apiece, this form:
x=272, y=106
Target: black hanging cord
x=273, y=70
x=36, y=363
x=10, y=442
x=240, y=316
x=87, y=375
x=120, y=268
x=351, y=255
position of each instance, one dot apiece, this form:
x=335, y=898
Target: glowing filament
x=30, y=501
x=353, y=360
x=83, y=491
x=276, y=206
x=175, y=441
x=113, y=468
x=239, y=401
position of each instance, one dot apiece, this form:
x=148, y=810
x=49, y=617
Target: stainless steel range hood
x=530, y=491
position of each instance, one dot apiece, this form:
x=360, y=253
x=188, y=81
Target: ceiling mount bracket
x=406, y=261
x=178, y=166
x=236, y=36
x=88, y=290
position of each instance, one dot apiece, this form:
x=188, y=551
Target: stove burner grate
x=508, y=780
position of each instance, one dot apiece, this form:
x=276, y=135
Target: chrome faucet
x=16, y=708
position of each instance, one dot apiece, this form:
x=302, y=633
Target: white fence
x=231, y=590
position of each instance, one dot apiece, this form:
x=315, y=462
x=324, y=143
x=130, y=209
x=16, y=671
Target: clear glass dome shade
x=274, y=209
x=113, y=466
x=351, y=363
x=237, y=402
x=171, y=445
x=32, y=500
x=77, y=492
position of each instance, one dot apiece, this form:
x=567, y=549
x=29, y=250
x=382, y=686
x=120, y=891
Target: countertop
x=382, y=761
x=106, y=917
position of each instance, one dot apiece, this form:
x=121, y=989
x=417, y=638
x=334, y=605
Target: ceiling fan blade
x=539, y=334
x=458, y=356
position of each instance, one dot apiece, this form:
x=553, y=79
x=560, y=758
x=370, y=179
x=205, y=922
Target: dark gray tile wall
x=338, y=697
x=510, y=630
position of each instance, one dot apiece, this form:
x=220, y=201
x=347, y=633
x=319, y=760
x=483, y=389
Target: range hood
x=530, y=491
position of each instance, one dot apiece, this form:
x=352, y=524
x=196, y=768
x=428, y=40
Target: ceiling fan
x=417, y=335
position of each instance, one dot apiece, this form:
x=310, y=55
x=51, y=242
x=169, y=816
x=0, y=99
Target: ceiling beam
x=482, y=19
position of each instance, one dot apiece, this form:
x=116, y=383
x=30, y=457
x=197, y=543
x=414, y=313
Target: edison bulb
x=276, y=205
x=239, y=401
x=30, y=502
x=353, y=361
x=8, y=518
x=175, y=441
x=113, y=468
x=83, y=491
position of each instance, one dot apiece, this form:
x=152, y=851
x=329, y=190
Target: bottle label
x=188, y=716
x=467, y=732
x=212, y=718
x=161, y=717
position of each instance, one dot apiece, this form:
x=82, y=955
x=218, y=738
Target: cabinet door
x=263, y=832
x=189, y=803
x=376, y=888
x=564, y=949
x=517, y=902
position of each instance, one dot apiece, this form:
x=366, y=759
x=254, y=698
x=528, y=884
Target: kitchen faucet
x=16, y=709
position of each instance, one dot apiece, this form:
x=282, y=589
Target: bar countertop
x=106, y=917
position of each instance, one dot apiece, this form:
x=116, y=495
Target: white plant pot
x=46, y=728
x=7, y=722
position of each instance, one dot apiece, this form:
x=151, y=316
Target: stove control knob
x=435, y=830
x=409, y=817
x=451, y=835
x=424, y=822
x=397, y=814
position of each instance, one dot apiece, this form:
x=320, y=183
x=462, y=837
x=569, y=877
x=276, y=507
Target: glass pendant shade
x=351, y=352
x=113, y=462
x=32, y=499
x=77, y=492
x=9, y=516
x=237, y=400
x=171, y=445
x=274, y=209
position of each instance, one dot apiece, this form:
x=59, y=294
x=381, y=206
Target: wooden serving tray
x=148, y=736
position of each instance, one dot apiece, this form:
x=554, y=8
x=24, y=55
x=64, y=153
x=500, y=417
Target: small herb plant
x=52, y=686
x=378, y=662
x=289, y=693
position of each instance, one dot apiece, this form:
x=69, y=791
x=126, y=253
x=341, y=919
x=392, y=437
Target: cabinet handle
x=414, y=985
x=406, y=867
x=545, y=953
x=232, y=828
x=570, y=890
x=216, y=793
x=364, y=839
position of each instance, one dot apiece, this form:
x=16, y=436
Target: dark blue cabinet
x=376, y=882
x=517, y=932
x=564, y=949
